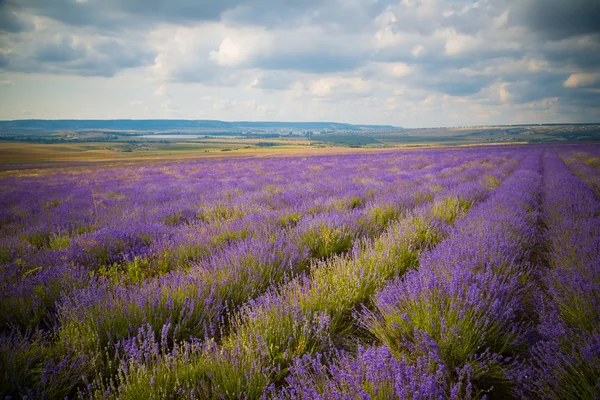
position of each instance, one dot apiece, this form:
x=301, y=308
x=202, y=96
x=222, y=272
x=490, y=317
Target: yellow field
x=23, y=158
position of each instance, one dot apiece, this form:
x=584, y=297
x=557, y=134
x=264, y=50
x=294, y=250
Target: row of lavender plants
x=452, y=328
x=151, y=245
x=467, y=174
x=131, y=224
x=537, y=338
x=457, y=273
x=311, y=313
x=565, y=360
x=585, y=164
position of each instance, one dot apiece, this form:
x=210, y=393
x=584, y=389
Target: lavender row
x=565, y=362
x=165, y=206
x=152, y=244
x=586, y=165
x=452, y=328
x=308, y=314
x=227, y=279
x=170, y=290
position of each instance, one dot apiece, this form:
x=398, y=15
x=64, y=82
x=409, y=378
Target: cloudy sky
x=412, y=63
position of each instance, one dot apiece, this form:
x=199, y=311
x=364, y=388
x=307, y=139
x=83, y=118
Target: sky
x=409, y=63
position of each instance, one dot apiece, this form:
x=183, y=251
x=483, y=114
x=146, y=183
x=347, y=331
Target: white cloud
x=457, y=43
x=241, y=46
x=393, y=69
x=503, y=92
x=339, y=87
x=183, y=53
x=534, y=65
x=581, y=80
x=417, y=50
x=430, y=100
x=161, y=91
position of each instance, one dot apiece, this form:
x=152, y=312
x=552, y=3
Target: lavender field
x=460, y=273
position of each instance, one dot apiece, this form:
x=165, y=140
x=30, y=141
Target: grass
x=323, y=240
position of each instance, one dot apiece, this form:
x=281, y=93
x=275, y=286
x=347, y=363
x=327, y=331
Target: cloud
x=558, y=19
x=321, y=57
x=60, y=49
x=339, y=87
x=4, y=59
x=457, y=43
x=580, y=52
x=417, y=50
x=581, y=80
x=48, y=49
x=119, y=14
x=398, y=70
x=241, y=47
x=14, y=23
x=183, y=54
x=309, y=49
x=504, y=93
x=219, y=55
x=538, y=87
x=272, y=80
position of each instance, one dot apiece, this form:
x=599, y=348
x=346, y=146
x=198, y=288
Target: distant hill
x=33, y=125
x=327, y=133
x=309, y=125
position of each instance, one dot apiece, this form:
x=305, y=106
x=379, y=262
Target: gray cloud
x=273, y=80
x=581, y=52
x=558, y=19
x=61, y=54
x=472, y=19
x=113, y=14
x=538, y=87
x=329, y=58
x=59, y=50
x=315, y=63
x=201, y=74
x=349, y=15
x=120, y=13
x=11, y=22
x=4, y=61
x=453, y=86
x=582, y=99
x=123, y=55
x=332, y=49
x=70, y=12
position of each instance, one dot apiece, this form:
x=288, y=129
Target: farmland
x=432, y=273
x=24, y=141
